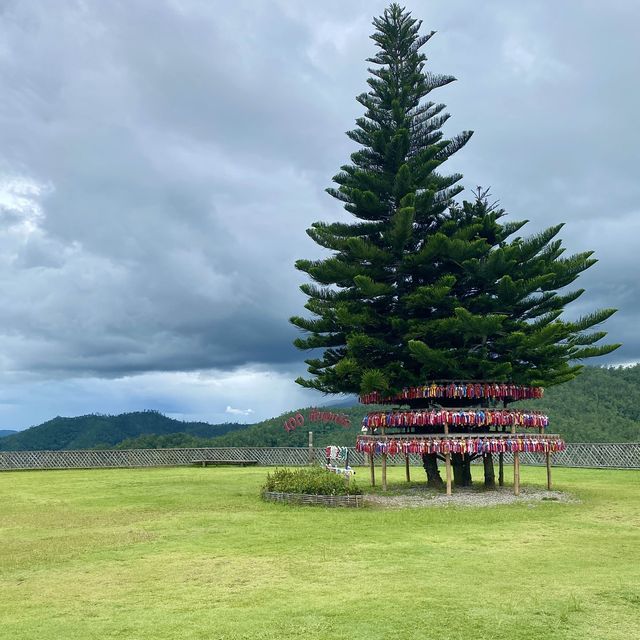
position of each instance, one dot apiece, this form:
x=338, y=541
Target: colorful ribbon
x=514, y=444
x=467, y=390
x=456, y=417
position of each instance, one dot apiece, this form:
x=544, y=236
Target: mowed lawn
x=194, y=553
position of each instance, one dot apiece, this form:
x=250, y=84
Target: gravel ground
x=465, y=497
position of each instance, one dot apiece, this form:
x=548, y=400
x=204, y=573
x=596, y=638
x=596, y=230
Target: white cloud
x=208, y=396
x=238, y=412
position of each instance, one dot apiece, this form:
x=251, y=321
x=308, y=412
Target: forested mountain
x=6, y=432
x=100, y=431
x=601, y=405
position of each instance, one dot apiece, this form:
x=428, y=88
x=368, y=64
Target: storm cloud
x=161, y=160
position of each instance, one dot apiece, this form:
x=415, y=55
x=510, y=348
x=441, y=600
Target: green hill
x=100, y=431
x=268, y=433
x=6, y=432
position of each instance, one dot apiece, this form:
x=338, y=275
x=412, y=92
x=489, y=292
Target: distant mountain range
x=6, y=432
x=102, y=431
x=601, y=405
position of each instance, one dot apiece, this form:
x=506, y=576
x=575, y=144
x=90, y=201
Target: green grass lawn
x=194, y=553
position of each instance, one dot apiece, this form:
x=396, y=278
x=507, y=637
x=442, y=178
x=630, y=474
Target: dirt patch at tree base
x=466, y=497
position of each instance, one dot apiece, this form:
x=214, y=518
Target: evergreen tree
x=419, y=287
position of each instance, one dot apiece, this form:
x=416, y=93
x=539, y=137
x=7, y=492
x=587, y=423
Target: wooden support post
x=447, y=462
x=501, y=469
x=548, y=456
x=372, y=468
x=384, y=471
x=384, y=468
x=311, y=456
x=516, y=468
x=406, y=467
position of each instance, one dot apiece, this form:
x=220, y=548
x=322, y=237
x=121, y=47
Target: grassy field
x=193, y=553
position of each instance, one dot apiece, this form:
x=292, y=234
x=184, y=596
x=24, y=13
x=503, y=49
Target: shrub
x=310, y=480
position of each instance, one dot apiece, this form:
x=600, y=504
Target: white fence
x=594, y=455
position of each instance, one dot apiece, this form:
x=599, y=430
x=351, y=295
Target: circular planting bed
x=305, y=498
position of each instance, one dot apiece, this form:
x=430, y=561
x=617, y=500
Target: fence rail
x=593, y=455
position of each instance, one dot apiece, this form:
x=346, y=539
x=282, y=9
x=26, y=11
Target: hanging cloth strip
x=456, y=417
x=512, y=444
x=468, y=390
x=331, y=453
x=337, y=453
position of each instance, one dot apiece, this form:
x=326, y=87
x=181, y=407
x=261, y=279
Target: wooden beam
x=548, y=457
x=406, y=467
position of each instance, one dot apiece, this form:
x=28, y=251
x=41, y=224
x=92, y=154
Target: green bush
x=311, y=480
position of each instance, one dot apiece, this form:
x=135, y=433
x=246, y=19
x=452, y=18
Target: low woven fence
x=104, y=459
x=593, y=455
x=305, y=498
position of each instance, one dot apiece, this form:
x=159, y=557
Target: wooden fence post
x=311, y=455
x=548, y=457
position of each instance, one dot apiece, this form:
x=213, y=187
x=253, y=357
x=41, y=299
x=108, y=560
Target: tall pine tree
x=419, y=287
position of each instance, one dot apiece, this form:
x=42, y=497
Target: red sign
x=315, y=415
x=294, y=422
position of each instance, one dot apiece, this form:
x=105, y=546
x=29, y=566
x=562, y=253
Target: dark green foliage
x=419, y=287
x=178, y=440
x=6, y=432
x=101, y=431
x=312, y=481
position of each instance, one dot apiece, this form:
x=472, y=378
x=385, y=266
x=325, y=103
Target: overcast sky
x=161, y=160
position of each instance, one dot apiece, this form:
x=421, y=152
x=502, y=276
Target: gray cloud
x=162, y=160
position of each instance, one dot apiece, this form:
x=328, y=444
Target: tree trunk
x=461, y=463
x=430, y=462
x=489, y=472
